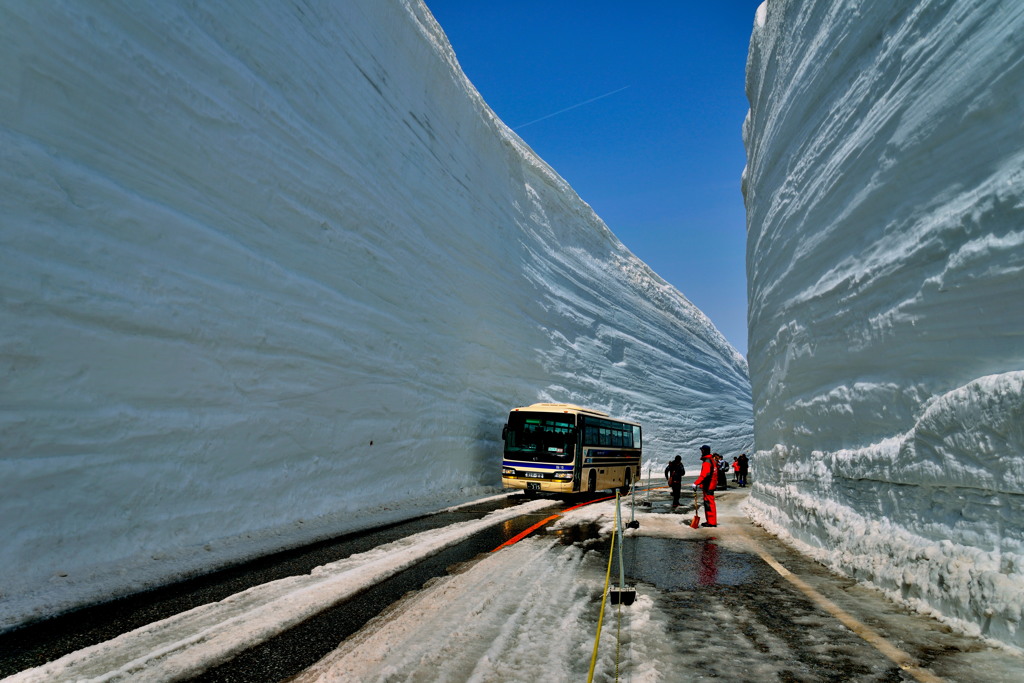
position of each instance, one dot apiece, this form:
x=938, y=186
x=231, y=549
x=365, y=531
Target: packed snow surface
x=189, y=643
x=280, y=273
x=885, y=259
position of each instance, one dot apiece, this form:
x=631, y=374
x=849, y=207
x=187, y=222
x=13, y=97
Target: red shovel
x=696, y=514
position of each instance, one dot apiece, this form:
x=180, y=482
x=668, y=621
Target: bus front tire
x=629, y=482
x=592, y=482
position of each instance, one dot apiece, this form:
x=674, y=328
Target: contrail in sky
x=562, y=111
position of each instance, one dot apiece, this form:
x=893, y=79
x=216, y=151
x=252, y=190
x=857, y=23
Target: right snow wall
x=885, y=260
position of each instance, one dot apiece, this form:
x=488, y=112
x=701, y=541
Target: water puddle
x=670, y=564
x=677, y=564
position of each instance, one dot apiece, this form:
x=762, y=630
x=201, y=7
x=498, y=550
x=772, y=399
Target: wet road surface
x=727, y=607
x=755, y=610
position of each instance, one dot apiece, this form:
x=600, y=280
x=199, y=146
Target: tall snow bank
x=277, y=272
x=885, y=259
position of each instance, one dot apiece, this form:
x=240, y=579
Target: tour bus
x=563, y=448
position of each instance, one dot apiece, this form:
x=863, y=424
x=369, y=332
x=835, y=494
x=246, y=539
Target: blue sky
x=639, y=106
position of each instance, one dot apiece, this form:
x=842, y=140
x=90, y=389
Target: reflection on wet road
x=672, y=564
x=742, y=606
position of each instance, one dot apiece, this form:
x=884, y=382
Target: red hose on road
x=520, y=536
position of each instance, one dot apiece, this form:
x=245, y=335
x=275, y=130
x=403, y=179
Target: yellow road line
x=902, y=659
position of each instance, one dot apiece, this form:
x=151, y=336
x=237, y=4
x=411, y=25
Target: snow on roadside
x=193, y=641
x=883, y=190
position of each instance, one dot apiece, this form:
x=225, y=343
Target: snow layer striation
x=277, y=272
x=885, y=259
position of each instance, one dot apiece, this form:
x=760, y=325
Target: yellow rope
x=600, y=617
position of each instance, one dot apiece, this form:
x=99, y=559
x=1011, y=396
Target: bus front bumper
x=544, y=485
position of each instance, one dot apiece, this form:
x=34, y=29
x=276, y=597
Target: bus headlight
x=563, y=475
x=508, y=472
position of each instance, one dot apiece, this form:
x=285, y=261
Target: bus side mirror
x=504, y=432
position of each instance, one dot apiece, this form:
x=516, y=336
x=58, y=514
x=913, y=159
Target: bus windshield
x=540, y=437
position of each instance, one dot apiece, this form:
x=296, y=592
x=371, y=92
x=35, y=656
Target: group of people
x=740, y=466
x=713, y=473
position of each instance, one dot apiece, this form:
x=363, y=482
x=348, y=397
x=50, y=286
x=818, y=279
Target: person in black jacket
x=674, y=474
x=744, y=463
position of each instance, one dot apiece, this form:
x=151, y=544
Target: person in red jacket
x=708, y=480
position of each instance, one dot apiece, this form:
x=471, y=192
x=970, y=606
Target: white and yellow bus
x=562, y=448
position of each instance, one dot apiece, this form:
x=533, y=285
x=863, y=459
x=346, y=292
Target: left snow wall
x=273, y=272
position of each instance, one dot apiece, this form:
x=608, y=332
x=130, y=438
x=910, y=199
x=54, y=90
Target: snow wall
x=885, y=260
x=273, y=272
